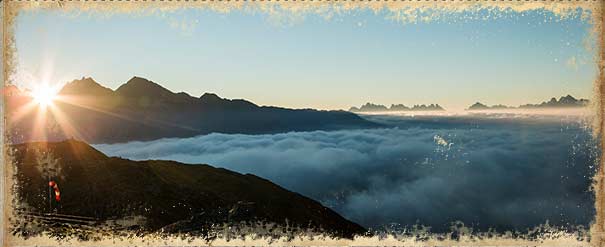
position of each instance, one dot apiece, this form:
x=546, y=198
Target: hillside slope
x=171, y=196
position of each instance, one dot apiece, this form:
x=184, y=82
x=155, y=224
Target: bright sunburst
x=44, y=95
x=39, y=107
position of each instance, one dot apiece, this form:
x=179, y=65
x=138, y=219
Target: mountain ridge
x=371, y=107
x=567, y=101
x=141, y=110
x=86, y=85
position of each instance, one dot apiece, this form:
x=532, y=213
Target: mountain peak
x=210, y=98
x=85, y=86
x=478, y=106
x=567, y=99
x=138, y=87
x=140, y=81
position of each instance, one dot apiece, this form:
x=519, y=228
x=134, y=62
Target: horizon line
x=511, y=107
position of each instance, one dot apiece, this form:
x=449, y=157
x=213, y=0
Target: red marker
x=56, y=188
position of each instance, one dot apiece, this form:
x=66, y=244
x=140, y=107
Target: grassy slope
x=165, y=192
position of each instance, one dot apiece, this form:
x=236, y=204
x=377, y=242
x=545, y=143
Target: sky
x=311, y=61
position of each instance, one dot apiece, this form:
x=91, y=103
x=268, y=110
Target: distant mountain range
x=563, y=102
x=143, y=110
x=370, y=107
x=479, y=106
x=170, y=197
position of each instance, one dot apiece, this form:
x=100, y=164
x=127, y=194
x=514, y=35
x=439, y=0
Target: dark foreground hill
x=164, y=196
x=143, y=110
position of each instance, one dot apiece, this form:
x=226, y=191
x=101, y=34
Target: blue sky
x=312, y=61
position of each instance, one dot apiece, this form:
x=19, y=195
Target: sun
x=44, y=95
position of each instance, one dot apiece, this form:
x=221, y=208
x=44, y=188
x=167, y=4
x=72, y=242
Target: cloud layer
x=501, y=173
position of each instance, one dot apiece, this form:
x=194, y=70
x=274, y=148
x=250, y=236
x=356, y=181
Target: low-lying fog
x=506, y=171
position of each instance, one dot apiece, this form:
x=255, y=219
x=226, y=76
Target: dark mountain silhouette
x=563, y=102
x=143, y=110
x=431, y=107
x=370, y=107
x=86, y=86
x=170, y=196
x=479, y=106
x=399, y=107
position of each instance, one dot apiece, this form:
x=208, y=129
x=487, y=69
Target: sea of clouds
x=488, y=172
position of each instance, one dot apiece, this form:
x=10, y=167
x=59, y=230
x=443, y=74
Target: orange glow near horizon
x=46, y=113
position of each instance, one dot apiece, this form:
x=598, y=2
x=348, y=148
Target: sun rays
x=44, y=95
x=38, y=109
x=43, y=113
